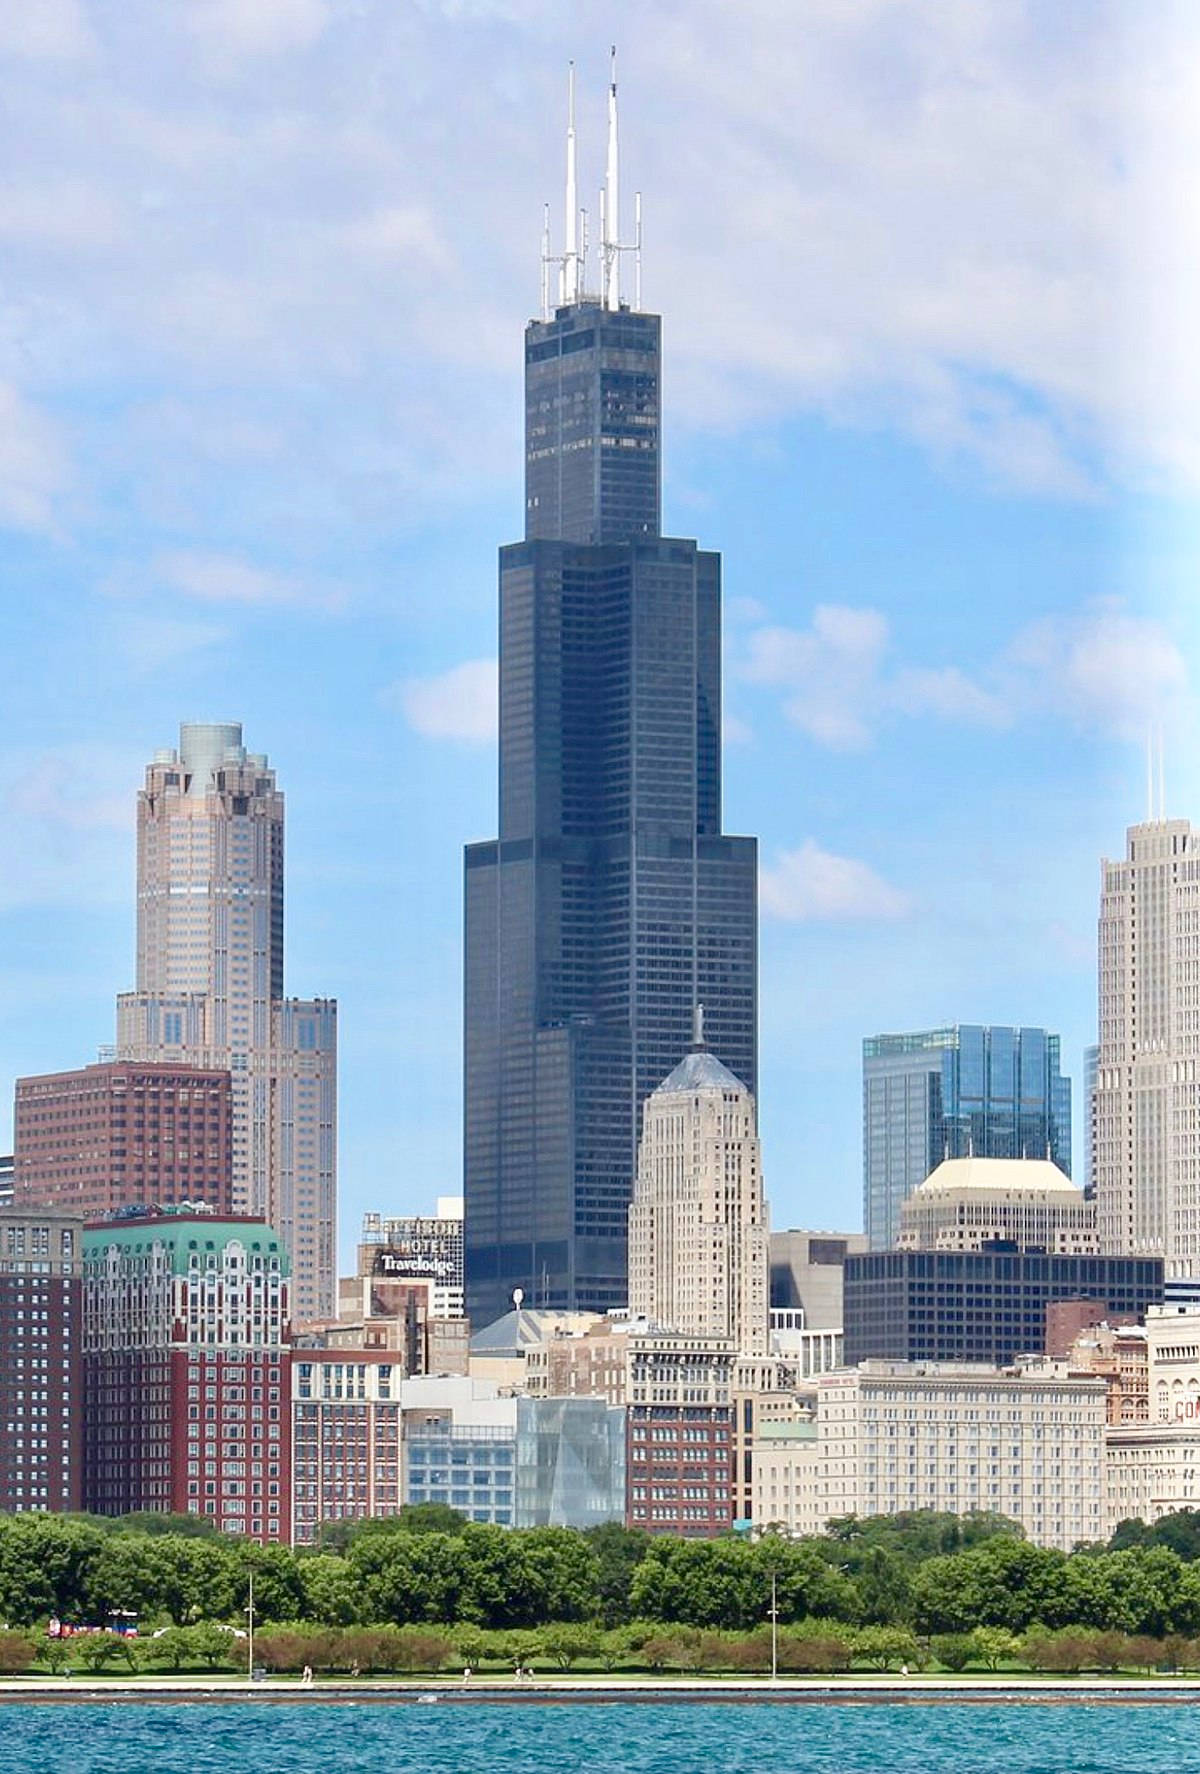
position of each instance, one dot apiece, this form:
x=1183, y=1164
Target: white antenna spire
x=570, y=272
x=546, y=263
x=610, y=250
x=637, y=251
x=698, y=1026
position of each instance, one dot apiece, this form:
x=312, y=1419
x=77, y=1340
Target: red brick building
x=122, y=1135
x=346, y=1457
x=41, y=1363
x=187, y=1382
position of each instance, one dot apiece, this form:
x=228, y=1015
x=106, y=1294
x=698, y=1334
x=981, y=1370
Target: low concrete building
x=806, y=1274
x=956, y=1437
x=1153, y=1468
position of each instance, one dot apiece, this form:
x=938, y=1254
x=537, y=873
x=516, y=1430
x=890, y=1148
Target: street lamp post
x=774, y=1612
x=250, y=1632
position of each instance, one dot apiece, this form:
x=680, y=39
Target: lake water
x=449, y=1738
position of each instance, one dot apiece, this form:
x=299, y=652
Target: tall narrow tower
x=1146, y=1097
x=210, y=987
x=612, y=901
x=698, y=1234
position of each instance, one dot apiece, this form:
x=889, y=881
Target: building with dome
x=971, y=1203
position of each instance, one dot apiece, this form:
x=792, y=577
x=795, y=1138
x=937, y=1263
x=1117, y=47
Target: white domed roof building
x=967, y=1203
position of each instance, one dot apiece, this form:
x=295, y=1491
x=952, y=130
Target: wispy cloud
x=72, y=807
x=231, y=579
x=462, y=703
x=811, y=885
x=33, y=463
x=1106, y=669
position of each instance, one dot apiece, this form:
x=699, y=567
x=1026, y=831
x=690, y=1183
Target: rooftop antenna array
x=571, y=263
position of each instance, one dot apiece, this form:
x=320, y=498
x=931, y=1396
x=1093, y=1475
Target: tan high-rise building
x=698, y=1234
x=1146, y=1101
x=209, y=988
x=969, y=1203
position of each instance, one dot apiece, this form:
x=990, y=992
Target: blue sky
x=932, y=383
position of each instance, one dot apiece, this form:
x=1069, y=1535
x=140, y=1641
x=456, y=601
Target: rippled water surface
x=446, y=1738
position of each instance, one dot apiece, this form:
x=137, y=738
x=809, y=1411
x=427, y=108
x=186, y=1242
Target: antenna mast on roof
x=571, y=279
x=611, y=244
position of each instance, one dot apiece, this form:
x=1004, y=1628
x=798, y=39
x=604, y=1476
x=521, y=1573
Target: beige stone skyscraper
x=1146, y=1101
x=698, y=1235
x=210, y=987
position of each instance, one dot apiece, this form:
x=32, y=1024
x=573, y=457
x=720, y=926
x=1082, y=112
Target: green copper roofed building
x=186, y=1371
x=612, y=901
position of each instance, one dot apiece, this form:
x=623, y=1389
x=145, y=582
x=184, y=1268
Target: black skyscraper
x=611, y=903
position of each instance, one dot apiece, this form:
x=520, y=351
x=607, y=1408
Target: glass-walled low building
x=570, y=1462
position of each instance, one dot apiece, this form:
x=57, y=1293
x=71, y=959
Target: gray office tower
x=612, y=902
x=951, y=1093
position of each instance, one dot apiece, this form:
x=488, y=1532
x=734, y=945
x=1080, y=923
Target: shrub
x=1144, y=1652
x=17, y=1652
x=953, y=1650
x=881, y=1646
x=814, y=1652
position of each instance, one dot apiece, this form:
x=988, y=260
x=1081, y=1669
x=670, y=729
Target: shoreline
x=603, y=1690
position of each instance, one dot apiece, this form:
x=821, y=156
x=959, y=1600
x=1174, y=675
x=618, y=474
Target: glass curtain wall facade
x=956, y=1092
x=611, y=902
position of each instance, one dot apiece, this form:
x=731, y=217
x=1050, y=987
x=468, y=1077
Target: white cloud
x=228, y=579
x=74, y=809
x=839, y=684
x=811, y=885
x=33, y=464
x=231, y=30
x=829, y=674
x=462, y=703
x=947, y=692
x=149, y=643
x=53, y=29
x=1105, y=668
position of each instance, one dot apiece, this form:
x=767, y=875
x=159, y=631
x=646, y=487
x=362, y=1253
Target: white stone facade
x=1146, y=1102
x=698, y=1236
x=899, y=1436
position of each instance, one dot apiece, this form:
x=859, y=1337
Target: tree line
x=930, y=1576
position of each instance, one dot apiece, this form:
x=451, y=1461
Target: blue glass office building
x=611, y=902
x=948, y=1093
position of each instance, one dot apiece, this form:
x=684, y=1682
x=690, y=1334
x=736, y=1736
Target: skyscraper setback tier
x=210, y=987
x=612, y=902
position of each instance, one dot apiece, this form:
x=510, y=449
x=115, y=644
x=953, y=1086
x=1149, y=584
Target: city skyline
x=266, y=497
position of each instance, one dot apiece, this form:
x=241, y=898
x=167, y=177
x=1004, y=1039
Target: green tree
x=992, y=1646
x=618, y=1551
x=882, y=1646
x=98, y=1650
x=328, y=1590
x=407, y=1577
x=567, y=1644
x=45, y=1564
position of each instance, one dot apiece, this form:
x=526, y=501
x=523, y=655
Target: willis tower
x=612, y=903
